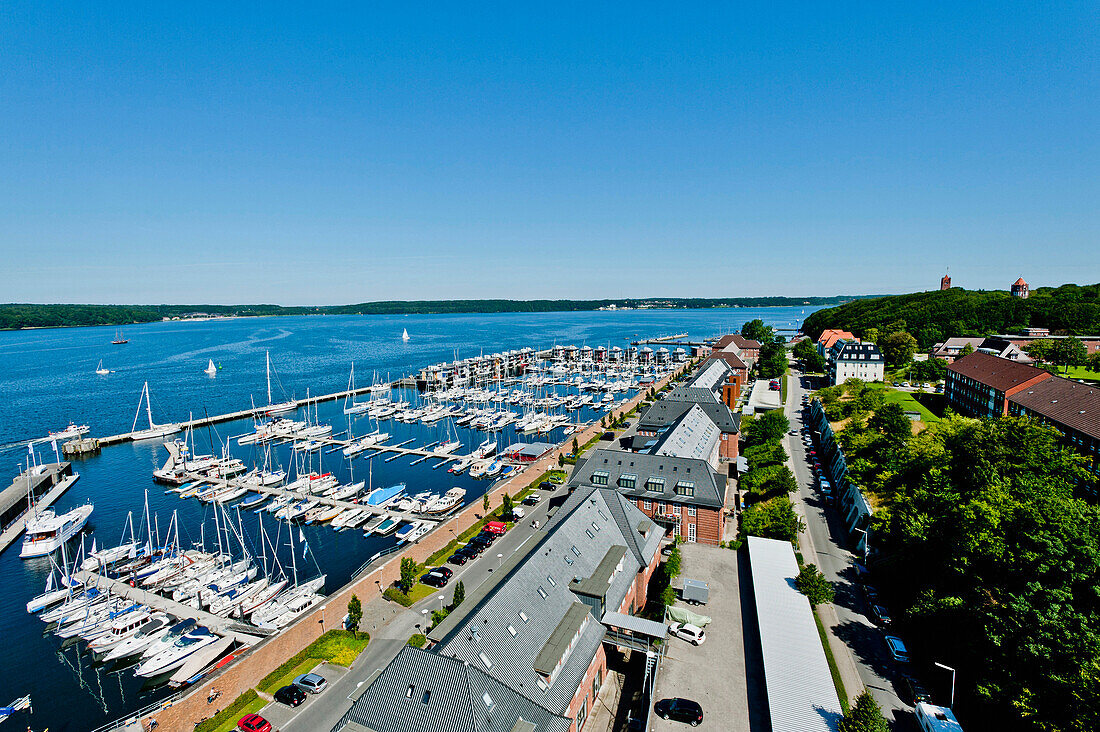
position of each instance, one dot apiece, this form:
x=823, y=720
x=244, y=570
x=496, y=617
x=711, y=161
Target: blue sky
x=323, y=154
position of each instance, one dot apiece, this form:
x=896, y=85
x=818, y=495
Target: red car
x=253, y=723
x=495, y=527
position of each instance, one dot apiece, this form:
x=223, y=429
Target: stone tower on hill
x=1020, y=289
x=945, y=282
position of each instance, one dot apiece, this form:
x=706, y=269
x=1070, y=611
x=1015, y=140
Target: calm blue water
x=47, y=378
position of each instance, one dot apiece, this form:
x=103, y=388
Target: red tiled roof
x=999, y=373
x=729, y=357
x=1020, y=282
x=832, y=335
x=1066, y=402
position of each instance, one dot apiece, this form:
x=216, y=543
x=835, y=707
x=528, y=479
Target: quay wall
x=248, y=670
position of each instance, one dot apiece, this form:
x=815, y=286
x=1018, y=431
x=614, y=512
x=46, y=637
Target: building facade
x=1070, y=407
x=980, y=385
x=1020, y=289
x=852, y=360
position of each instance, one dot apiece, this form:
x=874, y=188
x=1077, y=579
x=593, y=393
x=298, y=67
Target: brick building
x=945, y=282
x=980, y=385
x=1071, y=407
x=1020, y=289
x=684, y=495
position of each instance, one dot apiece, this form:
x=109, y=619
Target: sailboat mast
x=268, y=354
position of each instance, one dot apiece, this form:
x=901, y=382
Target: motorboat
x=446, y=502
x=156, y=626
x=47, y=531
x=73, y=430
x=387, y=526
x=168, y=638
x=120, y=630
x=419, y=529
x=190, y=643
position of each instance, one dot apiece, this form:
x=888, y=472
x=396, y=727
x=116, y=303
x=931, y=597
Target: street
x=824, y=544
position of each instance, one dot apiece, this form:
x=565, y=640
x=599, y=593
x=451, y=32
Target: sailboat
x=100, y=370
x=405, y=334
x=281, y=407
x=210, y=370
x=350, y=405
x=119, y=340
x=155, y=430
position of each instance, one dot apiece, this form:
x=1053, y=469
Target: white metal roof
x=801, y=695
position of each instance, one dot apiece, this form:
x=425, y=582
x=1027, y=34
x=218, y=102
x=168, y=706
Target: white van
x=936, y=719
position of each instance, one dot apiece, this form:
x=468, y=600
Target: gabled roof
x=729, y=357
x=428, y=692
x=832, y=335
x=1064, y=402
x=693, y=435
x=709, y=488
x=859, y=352
x=999, y=373
x=666, y=411
x=711, y=376
x=1020, y=282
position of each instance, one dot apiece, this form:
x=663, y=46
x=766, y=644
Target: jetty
x=241, y=632
x=39, y=485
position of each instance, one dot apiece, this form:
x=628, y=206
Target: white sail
x=100, y=370
x=210, y=368
x=405, y=334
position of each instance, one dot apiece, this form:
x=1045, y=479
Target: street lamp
x=441, y=598
x=323, y=618
x=948, y=668
x=500, y=560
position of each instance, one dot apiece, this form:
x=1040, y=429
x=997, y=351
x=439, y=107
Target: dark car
x=460, y=557
x=532, y=500
x=882, y=615
x=913, y=691
x=290, y=695
x=434, y=579
x=473, y=551
x=445, y=571
x=546, y=485
x=253, y=723
x=680, y=710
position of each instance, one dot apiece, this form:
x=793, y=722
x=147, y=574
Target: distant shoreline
x=17, y=316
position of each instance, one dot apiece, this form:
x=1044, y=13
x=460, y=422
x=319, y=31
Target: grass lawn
x=909, y=404
x=272, y=685
x=1081, y=372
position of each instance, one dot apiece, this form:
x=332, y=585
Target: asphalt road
x=829, y=538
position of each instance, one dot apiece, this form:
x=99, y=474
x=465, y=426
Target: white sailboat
x=281, y=407
x=100, y=370
x=155, y=430
x=350, y=405
x=405, y=335
x=210, y=370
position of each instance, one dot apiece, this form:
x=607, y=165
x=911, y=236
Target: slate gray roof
x=536, y=584
x=859, y=352
x=711, y=376
x=710, y=485
x=456, y=699
x=666, y=411
x=693, y=435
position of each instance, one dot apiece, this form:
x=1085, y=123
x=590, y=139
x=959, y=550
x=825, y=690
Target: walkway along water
x=248, y=670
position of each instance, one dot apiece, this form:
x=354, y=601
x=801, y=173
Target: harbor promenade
x=368, y=584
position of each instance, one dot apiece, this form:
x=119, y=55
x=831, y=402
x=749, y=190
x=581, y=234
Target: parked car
x=435, y=579
x=473, y=551
x=679, y=709
x=495, y=527
x=871, y=594
x=912, y=691
x=460, y=557
x=311, y=682
x=557, y=479
x=445, y=571
x=897, y=649
x=546, y=485
x=882, y=615
x=290, y=695
x=533, y=499
x=793, y=432
x=691, y=633
x=253, y=723
x=517, y=513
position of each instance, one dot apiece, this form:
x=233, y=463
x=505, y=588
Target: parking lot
x=720, y=674
x=280, y=715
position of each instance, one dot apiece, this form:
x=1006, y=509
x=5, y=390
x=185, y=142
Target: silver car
x=313, y=683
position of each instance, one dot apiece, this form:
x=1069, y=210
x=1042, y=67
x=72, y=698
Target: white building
x=861, y=361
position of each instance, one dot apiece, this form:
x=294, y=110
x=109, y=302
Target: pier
x=241, y=632
x=42, y=485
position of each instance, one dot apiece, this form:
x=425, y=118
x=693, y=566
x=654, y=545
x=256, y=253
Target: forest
x=934, y=316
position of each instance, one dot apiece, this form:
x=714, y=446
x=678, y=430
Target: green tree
x=812, y=583
x=355, y=613
x=774, y=518
x=1039, y=350
x=864, y=716
x=815, y=364
x=408, y=574
x=773, y=360
x=803, y=349
x=485, y=503
x=898, y=348
x=966, y=350
x=1068, y=352
x=506, y=506
x=890, y=420
x=575, y=447
x=871, y=335
x=561, y=460
x=459, y=595
x=770, y=425
x=757, y=331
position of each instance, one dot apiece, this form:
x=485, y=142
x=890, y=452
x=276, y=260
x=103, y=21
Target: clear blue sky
x=230, y=153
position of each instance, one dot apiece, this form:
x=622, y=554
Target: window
x=427, y=695
x=409, y=691
x=523, y=617
x=628, y=480
x=512, y=631
x=691, y=533
x=648, y=505
x=691, y=510
x=595, y=526
x=488, y=700
x=551, y=580
x=583, y=713
x=575, y=550
x=568, y=560
x=597, y=683
x=685, y=488
x=542, y=592
x=676, y=509
x=477, y=636
x=485, y=660
x=599, y=477
x=590, y=534
x=655, y=485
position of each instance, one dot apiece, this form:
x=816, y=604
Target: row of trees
x=768, y=481
x=772, y=361
x=992, y=560
x=935, y=316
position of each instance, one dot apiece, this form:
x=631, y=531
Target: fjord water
x=47, y=378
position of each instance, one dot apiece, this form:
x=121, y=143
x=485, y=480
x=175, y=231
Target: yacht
x=388, y=526
x=188, y=644
x=153, y=628
x=447, y=501
x=155, y=430
x=47, y=531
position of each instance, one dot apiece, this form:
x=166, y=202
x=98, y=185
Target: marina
x=417, y=450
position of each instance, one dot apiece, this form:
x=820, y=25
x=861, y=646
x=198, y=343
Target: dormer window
x=599, y=477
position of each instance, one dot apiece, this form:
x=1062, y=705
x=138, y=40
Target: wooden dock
x=238, y=631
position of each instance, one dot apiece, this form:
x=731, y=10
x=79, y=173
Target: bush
x=418, y=640
x=229, y=713
x=865, y=716
x=812, y=583
x=772, y=519
x=395, y=595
